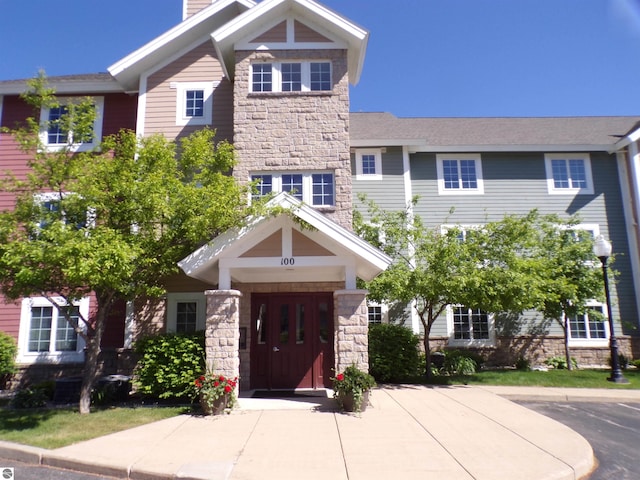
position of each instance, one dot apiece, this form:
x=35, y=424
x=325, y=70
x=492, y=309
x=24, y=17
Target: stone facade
x=351, y=329
x=295, y=131
x=222, y=332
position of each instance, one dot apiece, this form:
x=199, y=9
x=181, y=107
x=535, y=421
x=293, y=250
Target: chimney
x=189, y=7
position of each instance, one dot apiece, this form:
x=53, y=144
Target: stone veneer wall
x=351, y=329
x=222, y=332
x=295, y=131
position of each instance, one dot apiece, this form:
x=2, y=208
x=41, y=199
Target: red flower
x=221, y=378
x=216, y=383
x=198, y=383
x=227, y=389
x=340, y=377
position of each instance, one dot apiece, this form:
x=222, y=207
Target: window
x=194, y=102
x=459, y=174
x=313, y=188
x=186, y=312
x=470, y=326
x=569, y=173
x=58, y=123
x=63, y=207
x=46, y=335
x=369, y=164
x=375, y=314
x=291, y=77
x=589, y=328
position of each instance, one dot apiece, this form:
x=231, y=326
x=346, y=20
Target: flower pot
x=349, y=405
x=215, y=407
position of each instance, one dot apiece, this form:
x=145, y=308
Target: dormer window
x=291, y=77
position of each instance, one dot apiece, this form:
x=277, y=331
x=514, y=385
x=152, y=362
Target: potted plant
x=216, y=392
x=351, y=389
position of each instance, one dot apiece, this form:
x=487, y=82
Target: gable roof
x=368, y=261
x=494, y=133
x=197, y=27
x=269, y=11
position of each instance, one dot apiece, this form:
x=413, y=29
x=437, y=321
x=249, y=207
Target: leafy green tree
x=124, y=215
x=570, y=273
x=488, y=268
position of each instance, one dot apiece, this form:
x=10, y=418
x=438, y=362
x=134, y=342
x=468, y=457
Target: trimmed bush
x=8, y=352
x=460, y=362
x=560, y=362
x=169, y=364
x=393, y=353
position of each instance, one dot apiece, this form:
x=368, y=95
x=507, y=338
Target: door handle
x=276, y=349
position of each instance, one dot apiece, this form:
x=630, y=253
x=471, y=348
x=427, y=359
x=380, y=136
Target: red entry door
x=291, y=340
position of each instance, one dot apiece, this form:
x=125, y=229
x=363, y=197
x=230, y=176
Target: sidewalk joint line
x=344, y=457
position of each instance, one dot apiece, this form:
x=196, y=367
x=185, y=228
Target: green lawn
x=54, y=428
x=552, y=378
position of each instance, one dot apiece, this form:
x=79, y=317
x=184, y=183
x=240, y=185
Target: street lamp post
x=602, y=248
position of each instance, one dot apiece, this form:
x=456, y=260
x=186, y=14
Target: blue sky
x=458, y=58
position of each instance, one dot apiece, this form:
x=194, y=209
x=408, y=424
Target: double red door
x=291, y=340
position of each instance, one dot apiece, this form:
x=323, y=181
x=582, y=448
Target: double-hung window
x=186, y=312
x=46, y=335
x=313, y=188
x=459, y=174
x=569, y=173
x=63, y=207
x=291, y=77
x=63, y=125
x=369, y=164
x=194, y=102
x=589, y=328
x=470, y=326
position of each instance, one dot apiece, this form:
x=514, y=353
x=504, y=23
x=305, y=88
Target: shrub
x=393, y=353
x=560, y=362
x=460, y=362
x=636, y=363
x=523, y=364
x=168, y=364
x=8, y=352
x=33, y=397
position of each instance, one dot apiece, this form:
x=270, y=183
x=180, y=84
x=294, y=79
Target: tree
x=571, y=274
x=490, y=267
x=116, y=220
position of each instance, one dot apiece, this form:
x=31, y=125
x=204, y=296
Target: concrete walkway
x=408, y=432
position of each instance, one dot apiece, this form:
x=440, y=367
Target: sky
x=425, y=58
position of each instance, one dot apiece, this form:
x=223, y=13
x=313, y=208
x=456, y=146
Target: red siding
x=10, y=317
x=14, y=110
x=119, y=112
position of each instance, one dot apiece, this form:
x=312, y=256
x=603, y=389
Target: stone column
x=351, y=328
x=222, y=332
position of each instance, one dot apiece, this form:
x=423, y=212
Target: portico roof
x=333, y=252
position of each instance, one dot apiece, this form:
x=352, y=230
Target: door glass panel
x=284, y=323
x=323, y=321
x=261, y=324
x=299, y=323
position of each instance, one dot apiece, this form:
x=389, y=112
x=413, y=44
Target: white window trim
x=305, y=70
x=551, y=188
x=59, y=196
x=360, y=175
x=75, y=147
x=491, y=341
x=172, y=309
x=593, y=342
x=384, y=311
x=459, y=191
x=54, y=357
x=181, y=93
x=307, y=184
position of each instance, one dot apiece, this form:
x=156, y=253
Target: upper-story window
x=459, y=174
x=291, y=77
x=186, y=312
x=313, y=188
x=194, y=102
x=569, y=173
x=62, y=125
x=369, y=164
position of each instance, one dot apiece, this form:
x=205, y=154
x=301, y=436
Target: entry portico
x=287, y=309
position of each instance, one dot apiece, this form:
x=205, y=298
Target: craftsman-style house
x=273, y=77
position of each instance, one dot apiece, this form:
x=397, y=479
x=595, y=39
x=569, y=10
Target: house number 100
x=287, y=261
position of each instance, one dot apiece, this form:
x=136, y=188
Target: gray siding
x=515, y=183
